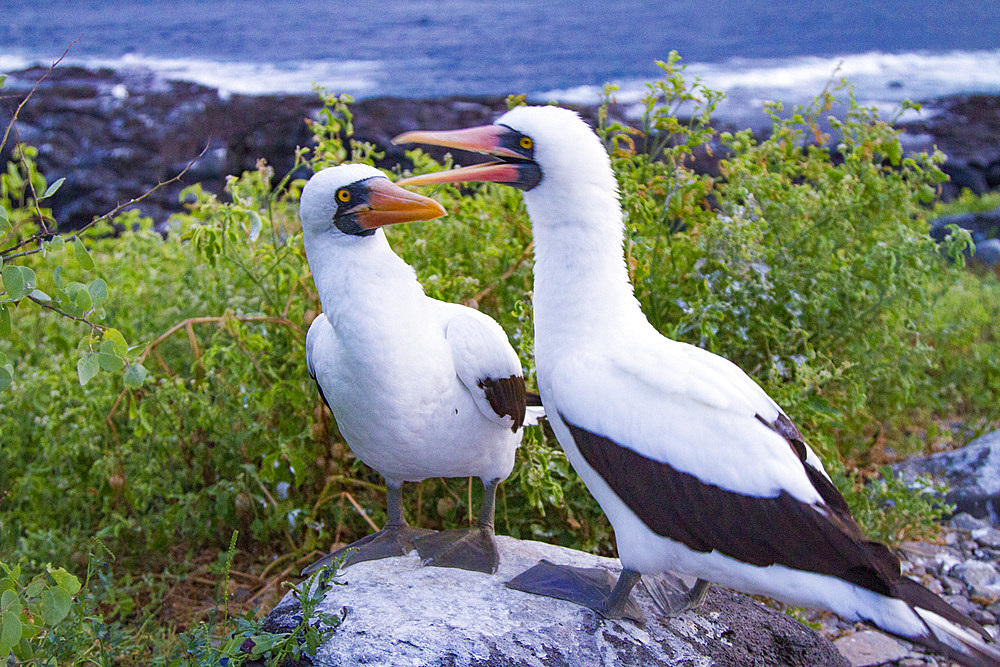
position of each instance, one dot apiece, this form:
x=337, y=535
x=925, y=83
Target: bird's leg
x=587, y=586
x=672, y=596
x=395, y=539
x=466, y=548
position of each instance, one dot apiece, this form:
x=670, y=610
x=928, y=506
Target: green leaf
x=110, y=362
x=83, y=300
x=120, y=345
x=87, y=367
x=39, y=295
x=33, y=589
x=98, y=291
x=10, y=631
x=28, y=276
x=256, y=224
x=134, y=376
x=66, y=580
x=5, y=225
x=13, y=281
x=6, y=377
x=82, y=254
x=4, y=322
x=55, y=605
x=58, y=276
x=51, y=190
x=7, y=600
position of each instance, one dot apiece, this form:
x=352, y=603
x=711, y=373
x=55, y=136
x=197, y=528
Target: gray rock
x=987, y=252
x=868, y=648
x=972, y=472
x=982, y=578
x=988, y=537
x=965, y=521
x=401, y=613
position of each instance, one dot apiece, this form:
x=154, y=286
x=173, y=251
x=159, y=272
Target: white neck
x=582, y=289
x=358, y=270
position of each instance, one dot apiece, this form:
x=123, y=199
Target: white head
x=548, y=152
x=351, y=201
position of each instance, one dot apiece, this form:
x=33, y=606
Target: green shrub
x=807, y=263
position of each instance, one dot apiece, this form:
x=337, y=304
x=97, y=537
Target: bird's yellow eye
x=343, y=196
x=526, y=143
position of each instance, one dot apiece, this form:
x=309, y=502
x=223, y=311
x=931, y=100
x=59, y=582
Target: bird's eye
x=526, y=143
x=343, y=196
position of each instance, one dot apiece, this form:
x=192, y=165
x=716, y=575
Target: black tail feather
x=949, y=632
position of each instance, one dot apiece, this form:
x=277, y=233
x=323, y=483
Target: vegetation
x=807, y=262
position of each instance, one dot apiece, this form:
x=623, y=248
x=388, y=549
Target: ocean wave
x=357, y=77
x=881, y=80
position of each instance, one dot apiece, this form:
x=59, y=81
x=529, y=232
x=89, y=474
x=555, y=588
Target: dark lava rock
x=115, y=134
x=972, y=472
x=962, y=177
x=967, y=129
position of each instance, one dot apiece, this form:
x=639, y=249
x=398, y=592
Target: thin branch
x=31, y=184
x=110, y=214
x=288, y=302
x=48, y=306
x=216, y=320
x=22, y=254
x=506, y=274
x=117, y=209
x=186, y=324
x=364, y=515
x=193, y=341
x=13, y=119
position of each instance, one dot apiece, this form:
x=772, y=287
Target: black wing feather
x=507, y=396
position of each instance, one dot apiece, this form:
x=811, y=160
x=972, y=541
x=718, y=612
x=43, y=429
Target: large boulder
x=972, y=473
x=400, y=613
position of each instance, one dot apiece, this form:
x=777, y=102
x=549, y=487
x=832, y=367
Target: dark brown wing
x=507, y=397
x=784, y=427
x=761, y=531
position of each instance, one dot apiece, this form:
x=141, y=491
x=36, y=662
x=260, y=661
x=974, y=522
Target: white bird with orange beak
x=698, y=470
x=419, y=388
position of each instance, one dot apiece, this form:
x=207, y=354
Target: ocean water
x=562, y=50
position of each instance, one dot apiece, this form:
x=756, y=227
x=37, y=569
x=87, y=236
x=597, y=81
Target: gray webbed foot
x=389, y=542
x=472, y=549
x=672, y=596
x=590, y=587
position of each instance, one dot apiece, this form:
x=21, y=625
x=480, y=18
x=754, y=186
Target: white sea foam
x=881, y=80
x=357, y=77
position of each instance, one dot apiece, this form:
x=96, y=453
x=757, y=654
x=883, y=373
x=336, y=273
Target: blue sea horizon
x=556, y=50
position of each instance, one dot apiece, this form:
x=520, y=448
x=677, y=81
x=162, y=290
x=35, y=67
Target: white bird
x=698, y=470
x=419, y=388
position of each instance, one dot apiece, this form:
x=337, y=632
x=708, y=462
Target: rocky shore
x=962, y=569
x=115, y=134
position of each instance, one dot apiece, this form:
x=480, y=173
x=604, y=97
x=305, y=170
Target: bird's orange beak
x=389, y=204
x=486, y=139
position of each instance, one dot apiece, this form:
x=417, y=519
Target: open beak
x=388, y=204
x=511, y=168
